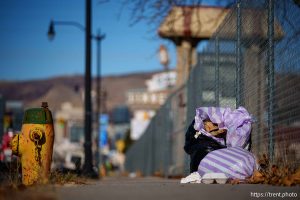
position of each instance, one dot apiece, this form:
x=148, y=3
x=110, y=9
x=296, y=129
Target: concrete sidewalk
x=154, y=188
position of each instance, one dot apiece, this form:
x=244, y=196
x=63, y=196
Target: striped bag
x=234, y=162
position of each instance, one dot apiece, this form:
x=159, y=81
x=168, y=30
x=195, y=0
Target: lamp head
x=164, y=56
x=51, y=31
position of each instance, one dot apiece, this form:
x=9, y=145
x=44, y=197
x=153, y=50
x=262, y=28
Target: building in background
x=144, y=102
x=119, y=125
x=11, y=116
x=140, y=122
x=69, y=137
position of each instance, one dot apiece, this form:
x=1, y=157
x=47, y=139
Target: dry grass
x=12, y=182
x=275, y=174
x=66, y=178
x=10, y=173
x=12, y=188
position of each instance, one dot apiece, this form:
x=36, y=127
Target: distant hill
x=57, y=90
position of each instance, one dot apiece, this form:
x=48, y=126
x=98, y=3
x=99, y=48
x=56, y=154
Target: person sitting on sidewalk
x=198, y=145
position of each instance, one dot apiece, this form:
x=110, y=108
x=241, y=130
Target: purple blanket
x=236, y=122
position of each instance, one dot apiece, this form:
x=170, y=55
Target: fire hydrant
x=34, y=145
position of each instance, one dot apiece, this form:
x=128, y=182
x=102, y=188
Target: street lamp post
x=98, y=38
x=88, y=166
x=88, y=157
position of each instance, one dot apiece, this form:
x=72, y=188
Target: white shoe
x=192, y=178
x=210, y=178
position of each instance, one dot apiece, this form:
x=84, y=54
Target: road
x=150, y=188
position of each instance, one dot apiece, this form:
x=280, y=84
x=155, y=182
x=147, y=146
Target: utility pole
x=88, y=159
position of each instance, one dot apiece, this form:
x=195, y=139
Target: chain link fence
x=252, y=60
x=159, y=150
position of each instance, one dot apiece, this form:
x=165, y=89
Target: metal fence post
x=271, y=82
x=239, y=70
x=217, y=72
x=168, y=139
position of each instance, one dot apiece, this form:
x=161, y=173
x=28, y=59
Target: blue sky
x=26, y=53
